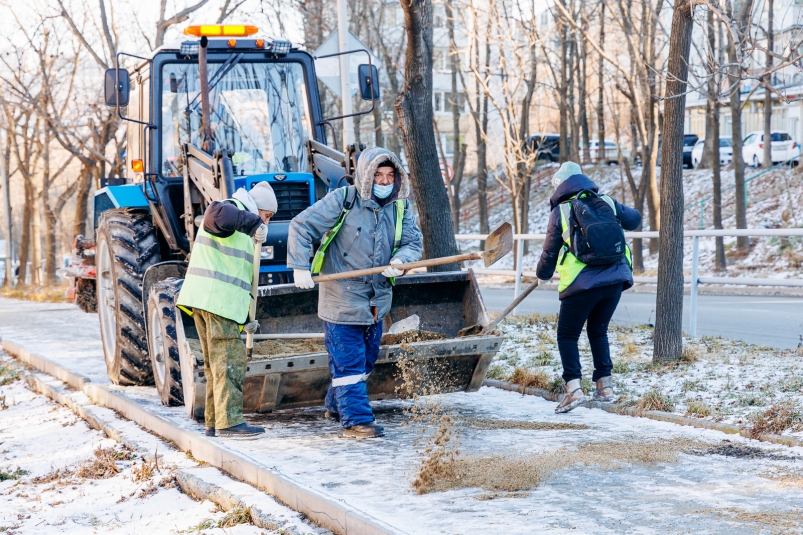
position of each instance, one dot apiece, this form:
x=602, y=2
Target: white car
x=784, y=148
x=611, y=153
x=725, y=151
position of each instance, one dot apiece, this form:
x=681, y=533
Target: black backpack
x=594, y=235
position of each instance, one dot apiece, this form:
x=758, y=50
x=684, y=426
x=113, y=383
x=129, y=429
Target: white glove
x=391, y=271
x=261, y=233
x=303, y=278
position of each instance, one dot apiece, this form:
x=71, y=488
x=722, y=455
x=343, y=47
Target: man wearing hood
x=367, y=225
x=587, y=292
x=217, y=293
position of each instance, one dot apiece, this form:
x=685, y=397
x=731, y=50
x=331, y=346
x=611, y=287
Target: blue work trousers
x=353, y=350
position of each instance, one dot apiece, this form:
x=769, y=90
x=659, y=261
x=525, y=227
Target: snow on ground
x=713, y=484
x=43, y=490
x=722, y=380
x=773, y=202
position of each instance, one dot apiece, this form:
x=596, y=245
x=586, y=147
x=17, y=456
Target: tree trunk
x=481, y=129
x=81, y=200
x=456, y=108
x=707, y=158
x=582, y=93
x=668, y=336
x=713, y=90
x=767, y=92
x=734, y=81
x=36, y=242
x=25, y=241
x=8, y=280
x=414, y=109
x=601, y=156
x=563, y=148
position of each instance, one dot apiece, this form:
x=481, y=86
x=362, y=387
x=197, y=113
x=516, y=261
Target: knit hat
x=566, y=170
x=264, y=197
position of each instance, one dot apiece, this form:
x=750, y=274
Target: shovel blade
x=498, y=244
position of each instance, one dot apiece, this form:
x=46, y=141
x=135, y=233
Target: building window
x=438, y=17
x=448, y=143
x=443, y=102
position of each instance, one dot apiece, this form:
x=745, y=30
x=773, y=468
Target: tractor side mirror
x=116, y=88
x=369, y=81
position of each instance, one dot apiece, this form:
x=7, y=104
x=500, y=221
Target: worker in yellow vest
x=585, y=242
x=217, y=292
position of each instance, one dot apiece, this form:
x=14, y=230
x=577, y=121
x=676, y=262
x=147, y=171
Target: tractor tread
x=163, y=297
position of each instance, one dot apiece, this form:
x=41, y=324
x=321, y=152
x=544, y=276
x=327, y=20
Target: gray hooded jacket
x=365, y=240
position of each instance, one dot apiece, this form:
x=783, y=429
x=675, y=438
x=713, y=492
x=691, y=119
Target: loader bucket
x=444, y=302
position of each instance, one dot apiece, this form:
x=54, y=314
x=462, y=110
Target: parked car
x=688, y=144
x=610, y=152
x=547, y=146
x=725, y=151
x=783, y=148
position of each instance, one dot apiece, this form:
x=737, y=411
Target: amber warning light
x=219, y=30
x=137, y=166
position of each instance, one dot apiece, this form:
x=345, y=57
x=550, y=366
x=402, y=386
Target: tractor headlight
x=266, y=253
x=280, y=47
x=190, y=48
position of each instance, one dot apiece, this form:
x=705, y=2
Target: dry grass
x=698, y=409
x=234, y=517
x=521, y=473
x=690, y=354
x=530, y=378
x=42, y=294
x=655, y=400
x=776, y=419
x=103, y=465
x=8, y=374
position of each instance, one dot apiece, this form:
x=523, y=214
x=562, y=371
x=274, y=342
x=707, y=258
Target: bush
x=655, y=400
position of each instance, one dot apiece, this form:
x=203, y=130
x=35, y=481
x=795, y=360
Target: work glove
x=303, y=279
x=261, y=233
x=390, y=271
x=251, y=327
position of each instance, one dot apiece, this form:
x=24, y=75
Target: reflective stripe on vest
x=219, y=276
x=569, y=267
x=329, y=235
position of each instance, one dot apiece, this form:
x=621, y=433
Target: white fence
x=695, y=280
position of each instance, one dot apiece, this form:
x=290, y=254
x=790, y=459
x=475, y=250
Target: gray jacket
x=365, y=240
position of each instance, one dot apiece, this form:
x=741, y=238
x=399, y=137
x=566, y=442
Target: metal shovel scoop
x=497, y=244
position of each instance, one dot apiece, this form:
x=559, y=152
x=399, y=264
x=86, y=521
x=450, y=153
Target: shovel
x=497, y=244
x=252, y=310
x=475, y=330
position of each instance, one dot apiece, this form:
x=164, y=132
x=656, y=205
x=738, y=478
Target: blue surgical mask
x=382, y=192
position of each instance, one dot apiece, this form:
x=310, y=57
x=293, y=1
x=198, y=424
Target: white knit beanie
x=566, y=170
x=264, y=197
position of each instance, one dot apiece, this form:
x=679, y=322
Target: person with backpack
x=585, y=242
x=369, y=224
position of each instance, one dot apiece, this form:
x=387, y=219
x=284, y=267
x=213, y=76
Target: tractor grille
x=292, y=198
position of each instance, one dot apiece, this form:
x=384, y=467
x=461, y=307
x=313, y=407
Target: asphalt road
x=772, y=321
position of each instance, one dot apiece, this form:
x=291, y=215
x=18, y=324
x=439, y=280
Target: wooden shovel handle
x=410, y=265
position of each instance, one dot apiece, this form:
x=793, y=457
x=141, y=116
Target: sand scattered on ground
x=775, y=521
x=489, y=424
x=505, y=473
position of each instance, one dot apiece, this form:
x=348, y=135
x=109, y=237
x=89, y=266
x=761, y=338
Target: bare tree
x=767, y=85
x=414, y=109
x=668, y=336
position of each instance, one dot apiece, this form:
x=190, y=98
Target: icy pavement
x=698, y=493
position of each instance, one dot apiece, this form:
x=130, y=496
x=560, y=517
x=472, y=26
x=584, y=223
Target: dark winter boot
x=329, y=415
x=210, y=431
x=370, y=430
x=242, y=430
x=604, y=392
x=574, y=397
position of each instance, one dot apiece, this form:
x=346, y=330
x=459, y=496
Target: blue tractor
x=221, y=110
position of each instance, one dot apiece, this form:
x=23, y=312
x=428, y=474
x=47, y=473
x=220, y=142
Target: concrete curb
x=323, y=510
x=653, y=415
x=190, y=484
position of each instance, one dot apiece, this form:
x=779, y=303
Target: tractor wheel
x=163, y=340
x=126, y=247
x=193, y=382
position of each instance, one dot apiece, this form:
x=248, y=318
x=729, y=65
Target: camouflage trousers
x=224, y=368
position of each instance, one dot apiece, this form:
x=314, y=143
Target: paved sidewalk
x=696, y=493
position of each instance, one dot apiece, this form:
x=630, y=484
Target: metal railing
x=694, y=281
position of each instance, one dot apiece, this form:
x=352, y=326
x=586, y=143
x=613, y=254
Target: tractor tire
x=163, y=340
x=126, y=246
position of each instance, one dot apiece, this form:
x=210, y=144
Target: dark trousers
x=353, y=350
x=596, y=306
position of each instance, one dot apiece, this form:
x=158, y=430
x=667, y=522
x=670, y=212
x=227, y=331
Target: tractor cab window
x=258, y=112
